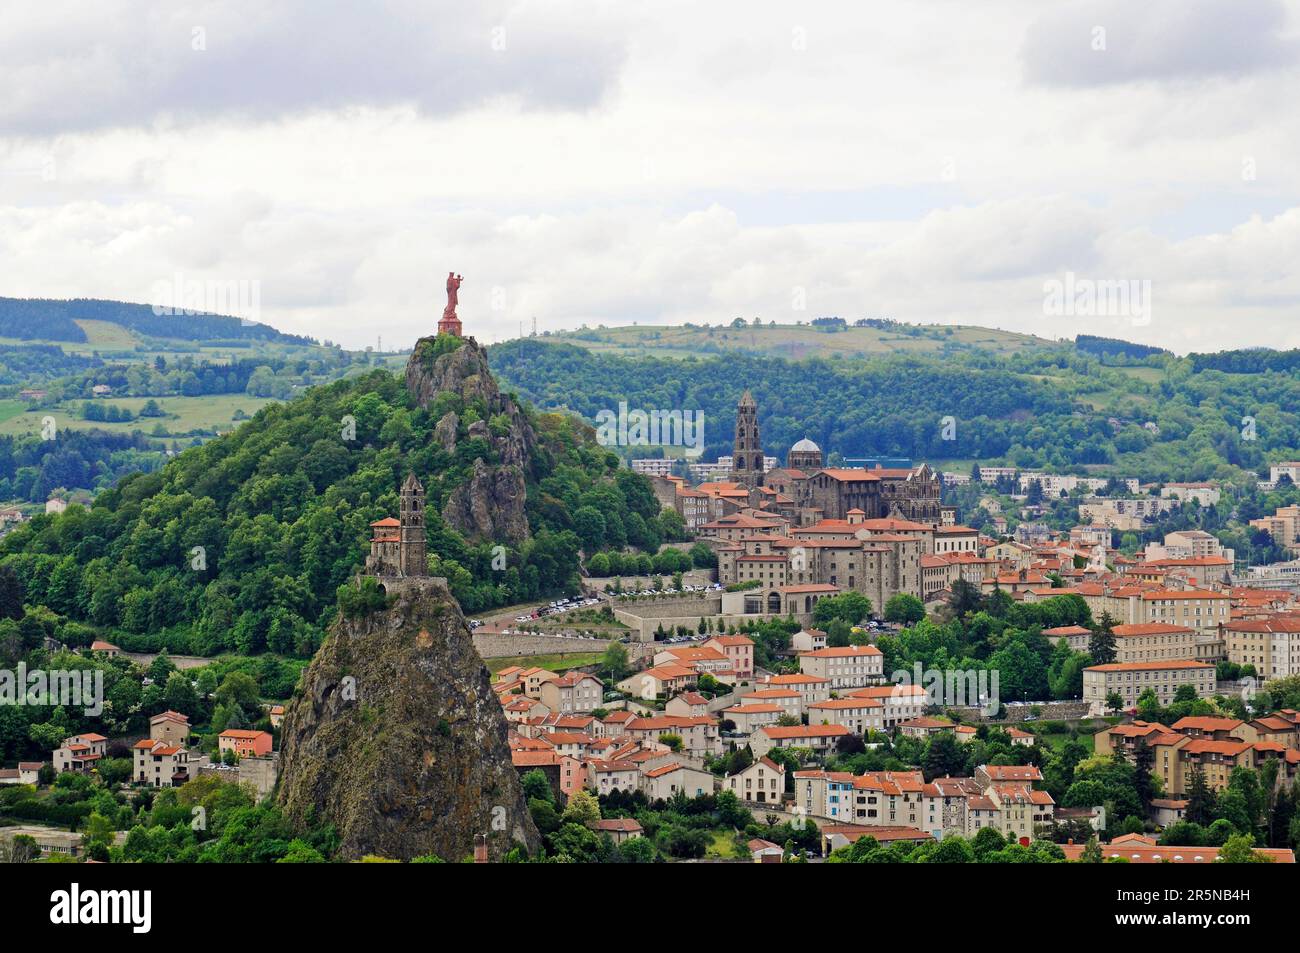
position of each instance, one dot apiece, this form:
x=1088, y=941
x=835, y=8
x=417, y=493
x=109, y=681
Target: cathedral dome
x=806, y=446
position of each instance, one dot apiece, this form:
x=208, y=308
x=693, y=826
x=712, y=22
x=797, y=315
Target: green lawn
x=1058, y=741
x=184, y=414
x=723, y=846
x=554, y=663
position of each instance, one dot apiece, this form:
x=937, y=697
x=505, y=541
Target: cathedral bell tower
x=747, y=452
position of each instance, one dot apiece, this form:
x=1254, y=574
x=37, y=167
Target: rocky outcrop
x=491, y=505
x=492, y=502
x=445, y=430
x=396, y=738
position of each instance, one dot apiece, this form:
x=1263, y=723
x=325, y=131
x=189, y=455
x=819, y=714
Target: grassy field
x=105, y=335
x=1058, y=741
x=184, y=414
x=723, y=846
x=797, y=341
x=554, y=663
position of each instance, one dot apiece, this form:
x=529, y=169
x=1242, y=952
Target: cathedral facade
x=813, y=491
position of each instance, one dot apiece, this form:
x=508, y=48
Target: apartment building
x=811, y=688
x=859, y=715
x=1271, y=645
x=1131, y=679
x=845, y=667
x=820, y=738
x=1201, y=609
x=900, y=702
x=1154, y=642
x=572, y=692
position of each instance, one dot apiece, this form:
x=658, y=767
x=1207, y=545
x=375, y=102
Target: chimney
x=480, y=849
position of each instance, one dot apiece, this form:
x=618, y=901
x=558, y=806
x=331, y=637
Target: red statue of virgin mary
x=450, y=324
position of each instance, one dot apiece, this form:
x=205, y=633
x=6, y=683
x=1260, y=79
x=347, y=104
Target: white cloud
x=667, y=163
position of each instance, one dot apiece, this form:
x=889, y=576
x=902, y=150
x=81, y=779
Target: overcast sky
x=583, y=162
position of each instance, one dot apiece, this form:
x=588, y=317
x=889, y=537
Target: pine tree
x=1201, y=801
x=1102, y=644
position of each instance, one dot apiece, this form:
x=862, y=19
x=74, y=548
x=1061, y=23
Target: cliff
x=396, y=737
x=491, y=504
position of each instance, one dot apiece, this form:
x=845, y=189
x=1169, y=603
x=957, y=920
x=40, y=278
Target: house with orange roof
x=1076, y=636
x=619, y=829
x=699, y=657
x=159, y=764
x=699, y=734
x=80, y=753
x=1155, y=641
x=739, y=650
x=821, y=739
x=171, y=727
x=246, y=744
x=574, y=691
x=811, y=688
x=791, y=701
x=667, y=780
x=808, y=640
x=566, y=774
x=845, y=667
x=666, y=680
x=1140, y=849
x=1270, y=643
x=688, y=704
x=751, y=715
x=859, y=715
x=1129, y=680
x=521, y=708
x=607, y=776
x=901, y=702
x=924, y=727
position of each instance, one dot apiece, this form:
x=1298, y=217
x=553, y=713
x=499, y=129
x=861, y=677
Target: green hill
x=1100, y=406
x=280, y=510
x=823, y=338
x=115, y=325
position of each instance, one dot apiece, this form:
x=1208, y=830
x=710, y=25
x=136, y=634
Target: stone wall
x=496, y=645
x=1016, y=713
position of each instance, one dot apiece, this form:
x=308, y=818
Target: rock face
x=396, y=737
x=491, y=504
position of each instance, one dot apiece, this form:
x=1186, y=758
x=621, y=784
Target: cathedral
x=807, y=491
x=397, y=546
x=747, y=451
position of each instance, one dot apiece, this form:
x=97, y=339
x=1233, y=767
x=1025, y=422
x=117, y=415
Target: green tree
x=1101, y=645
x=904, y=608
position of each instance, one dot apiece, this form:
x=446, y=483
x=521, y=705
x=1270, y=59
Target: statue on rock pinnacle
x=450, y=323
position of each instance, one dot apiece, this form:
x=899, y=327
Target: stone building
x=397, y=546
x=804, y=455
x=747, y=454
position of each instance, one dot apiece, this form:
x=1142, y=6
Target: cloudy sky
x=935, y=161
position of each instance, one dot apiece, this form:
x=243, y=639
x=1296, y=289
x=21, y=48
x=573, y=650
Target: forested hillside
x=56, y=320
x=242, y=544
x=1154, y=416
